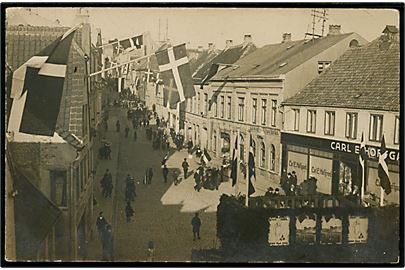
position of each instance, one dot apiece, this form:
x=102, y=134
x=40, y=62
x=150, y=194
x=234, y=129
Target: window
x=215, y=108
x=214, y=141
x=273, y=112
x=193, y=104
x=396, y=130
x=241, y=148
x=229, y=107
x=205, y=103
x=376, y=122
x=296, y=119
x=198, y=102
x=58, y=188
x=254, y=110
x=322, y=65
x=222, y=106
x=311, y=121
x=351, y=125
x=329, y=123
x=262, y=155
x=241, y=111
x=272, y=158
x=264, y=111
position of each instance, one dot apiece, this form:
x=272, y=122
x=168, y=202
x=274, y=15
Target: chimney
x=334, y=29
x=99, y=39
x=82, y=16
x=390, y=33
x=247, y=39
x=286, y=37
x=228, y=43
x=211, y=46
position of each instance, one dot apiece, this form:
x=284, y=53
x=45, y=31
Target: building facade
x=60, y=167
x=245, y=98
x=324, y=123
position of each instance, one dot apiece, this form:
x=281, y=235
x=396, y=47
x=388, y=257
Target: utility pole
x=320, y=15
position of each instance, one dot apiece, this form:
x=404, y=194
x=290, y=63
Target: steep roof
x=363, y=78
x=280, y=58
x=227, y=56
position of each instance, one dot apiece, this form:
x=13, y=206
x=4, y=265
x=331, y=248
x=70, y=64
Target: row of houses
x=281, y=95
x=49, y=181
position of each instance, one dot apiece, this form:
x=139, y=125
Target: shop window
x=263, y=155
x=376, y=122
x=346, y=187
x=58, y=188
x=264, y=111
x=229, y=107
x=273, y=112
x=296, y=119
x=396, y=130
x=311, y=121
x=272, y=158
x=254, y=110
x=351, y=125
x=222, y=107
x=241, y=109
x=329, y=123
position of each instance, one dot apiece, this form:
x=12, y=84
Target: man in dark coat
x=108, y=241
x=101, y=223
x=185, y=167
x=165, y=172
x=196, y=223
x=129, y=212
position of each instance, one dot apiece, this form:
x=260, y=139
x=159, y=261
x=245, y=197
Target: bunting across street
x=38, y=84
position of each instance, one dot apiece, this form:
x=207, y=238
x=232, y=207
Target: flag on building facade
x=176, y=74
x=252, y=169
x=234, y=164
x=362, y=160
x=206, y=157
x=383, y=168
x=37, y=88
x=131, y=43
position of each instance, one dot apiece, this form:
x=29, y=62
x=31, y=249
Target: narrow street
x=162, y=214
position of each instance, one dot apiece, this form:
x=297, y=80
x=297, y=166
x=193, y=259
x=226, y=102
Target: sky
x=199, y=26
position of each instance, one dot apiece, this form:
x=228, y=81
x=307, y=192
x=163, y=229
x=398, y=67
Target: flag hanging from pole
x=176, y=74
x=206, y=157
x=383, y=168
x=132, y=43
x=362, y=154
x=234, y=165
x=252, y=169
x=37, y=88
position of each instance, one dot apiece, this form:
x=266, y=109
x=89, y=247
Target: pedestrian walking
x=126, y=131
x=109, y=188
x=135, y=135
x=129, y=212
x=196, y=223
x=101, y=224
x=185, y=168
x=146, y=177
x=150, y=175
x=108, y=241
x=165, y=172
x=118, y=125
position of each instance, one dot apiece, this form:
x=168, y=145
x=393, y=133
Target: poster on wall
x=299, y=163
x=306, y=229
x=279, y=231
x=358, y=229
x=321, y=169
x=331, y=230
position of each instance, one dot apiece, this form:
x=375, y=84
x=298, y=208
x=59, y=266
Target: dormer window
x=322, y=65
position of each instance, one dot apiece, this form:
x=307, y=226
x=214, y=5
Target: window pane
x=264, y=111
x=396, y=131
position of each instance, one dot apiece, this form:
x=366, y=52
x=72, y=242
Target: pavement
x=163, y=211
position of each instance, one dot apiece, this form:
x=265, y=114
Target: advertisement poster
x=279, y=231
x=306, y=229
x=321, y=169
x=299, y=163
x=331, y=230
x=358, y=229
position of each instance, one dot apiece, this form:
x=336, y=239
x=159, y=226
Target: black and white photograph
x=175, y=133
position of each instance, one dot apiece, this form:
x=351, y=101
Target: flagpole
x=237, y=163
x=247, y=174
x=362, y=183
x=381, y=196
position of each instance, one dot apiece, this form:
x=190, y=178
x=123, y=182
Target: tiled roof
x=227, y=56
x=363, y=78
x=277, y=59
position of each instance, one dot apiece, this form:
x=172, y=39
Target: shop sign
x=279, y=231
x=358, y=229
x=372, y=151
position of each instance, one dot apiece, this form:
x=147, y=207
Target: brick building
x=324, y=123
x=59, y=168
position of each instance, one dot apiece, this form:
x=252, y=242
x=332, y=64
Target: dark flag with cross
x=383, y=168
x=176, y=75
x=37, y=88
